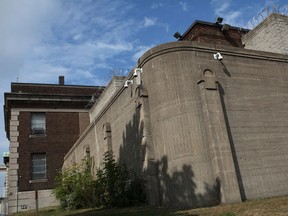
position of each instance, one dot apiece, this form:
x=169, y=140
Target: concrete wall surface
x=26, y=201
x=203, y=131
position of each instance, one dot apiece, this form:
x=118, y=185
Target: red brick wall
x=213, y=35
x=62, y=130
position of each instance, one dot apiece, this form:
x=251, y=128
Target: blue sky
x=84, y=40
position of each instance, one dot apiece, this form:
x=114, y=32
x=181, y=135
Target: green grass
x=277, y=206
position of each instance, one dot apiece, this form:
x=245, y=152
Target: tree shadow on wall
x=132, y=151
x=178, y=189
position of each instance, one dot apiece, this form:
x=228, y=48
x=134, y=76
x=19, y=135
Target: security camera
x=218, y=56
x=127, y=82
x=137, y=71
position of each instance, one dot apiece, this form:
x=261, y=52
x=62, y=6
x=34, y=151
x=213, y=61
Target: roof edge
x=211, y=24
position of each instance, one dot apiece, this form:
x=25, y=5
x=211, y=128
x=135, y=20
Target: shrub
x=75, y=186
x=111, y=182
x=113, y=186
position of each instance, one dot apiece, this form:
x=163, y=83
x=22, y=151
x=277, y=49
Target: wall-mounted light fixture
x=137, y=72
x=127, y=82
x=177, y=35
x=137, y=75
x=218, y=56
x=219, y=20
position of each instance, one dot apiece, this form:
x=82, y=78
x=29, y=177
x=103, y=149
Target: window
x=38, y=123
x=38, y=166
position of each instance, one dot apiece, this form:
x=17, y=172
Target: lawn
x=277, y=206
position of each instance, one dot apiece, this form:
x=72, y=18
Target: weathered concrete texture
x=26, y=200
x=270, y=35
x=254, y=100
x=112, y=87
x=203, y=131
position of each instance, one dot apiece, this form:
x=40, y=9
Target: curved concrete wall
x=203, y=131
x=185, y=171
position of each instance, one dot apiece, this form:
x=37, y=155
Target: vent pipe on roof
x=61, y=80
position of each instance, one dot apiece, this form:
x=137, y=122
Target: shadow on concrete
x=175, y=190
x=132, y=152
x=233, y=150
x=225, y=70
x=179, y=189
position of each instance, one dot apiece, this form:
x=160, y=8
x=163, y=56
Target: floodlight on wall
x=177, y=35
x=225, y=27
x=219, y=20
x=218, y=56
x=137, y=72
x=127, y=82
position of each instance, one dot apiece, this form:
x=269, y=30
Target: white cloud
x=154, y=22
x=116, y=47
x=183, y=6
x=22, y=24
x=149, y=21
x=224, y=9
x=233, y=17
x=221, y=6
x=156, y=5
x=77, y=37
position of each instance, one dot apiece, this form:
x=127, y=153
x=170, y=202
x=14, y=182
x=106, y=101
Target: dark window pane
x=38, y=166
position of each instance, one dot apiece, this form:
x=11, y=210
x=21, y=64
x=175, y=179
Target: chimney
x=61, y=80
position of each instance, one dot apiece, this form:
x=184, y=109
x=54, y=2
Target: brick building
x=42, y=122
x=214, y=33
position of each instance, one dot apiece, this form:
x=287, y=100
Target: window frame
x=37, y=128
x=41, y=166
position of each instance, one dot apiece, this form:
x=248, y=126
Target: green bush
x=75, y=187
x=112, y=186
x=111, y=182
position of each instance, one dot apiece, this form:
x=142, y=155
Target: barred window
x=38, y=166
x=38, y=123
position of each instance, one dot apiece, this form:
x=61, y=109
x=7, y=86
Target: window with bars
x=38, y=123
x=38, y=166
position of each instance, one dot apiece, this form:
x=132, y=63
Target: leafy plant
x=110, y=182
x=113, y=186
x=75, y=186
